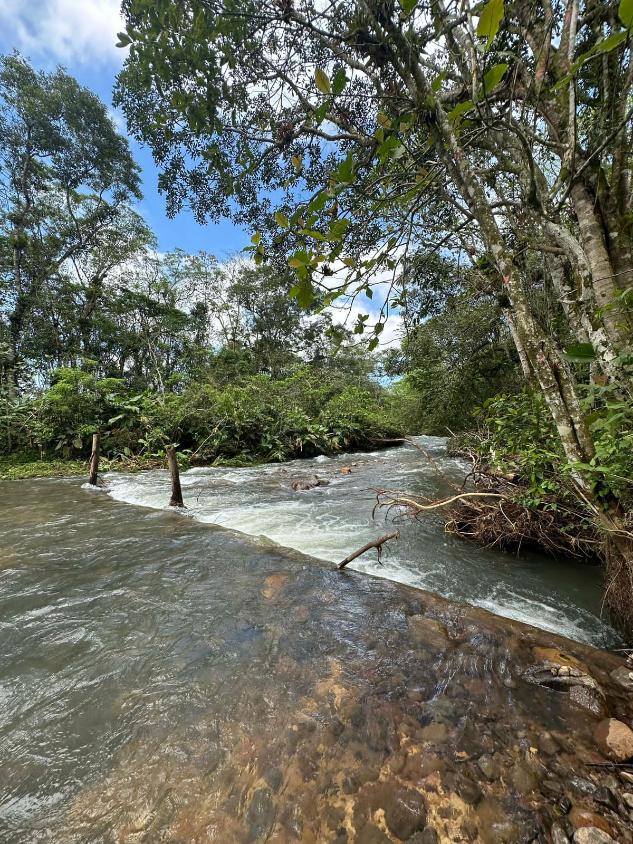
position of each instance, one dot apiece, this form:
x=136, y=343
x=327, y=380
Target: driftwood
x=375, y=543
x=176, y=492
x=93, y=477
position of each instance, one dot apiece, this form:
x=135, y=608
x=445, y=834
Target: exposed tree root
x=490, y=516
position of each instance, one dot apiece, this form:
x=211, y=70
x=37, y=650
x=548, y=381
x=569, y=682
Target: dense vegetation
x=100, y=332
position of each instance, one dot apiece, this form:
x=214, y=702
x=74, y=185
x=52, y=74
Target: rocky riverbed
x=166, y=681
x=418, y=721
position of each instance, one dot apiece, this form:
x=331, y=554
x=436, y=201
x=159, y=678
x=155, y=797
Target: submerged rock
x=302, y=484
x=428, y=632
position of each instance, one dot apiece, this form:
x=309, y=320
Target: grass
x=20, y=466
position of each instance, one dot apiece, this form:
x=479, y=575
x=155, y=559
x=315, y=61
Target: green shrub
x=313, y=411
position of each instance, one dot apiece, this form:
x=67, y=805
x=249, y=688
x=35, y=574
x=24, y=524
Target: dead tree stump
x=93, y=477
x=176, y=492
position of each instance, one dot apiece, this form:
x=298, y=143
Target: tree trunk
x=176, y=492
x=93, y=478
x=594, y=246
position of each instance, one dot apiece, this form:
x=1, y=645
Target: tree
x=498, y=131
x=66, y=176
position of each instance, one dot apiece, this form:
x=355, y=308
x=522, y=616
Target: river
x=330, y=521
x=164, y=677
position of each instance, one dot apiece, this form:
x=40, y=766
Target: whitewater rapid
x=332, y=520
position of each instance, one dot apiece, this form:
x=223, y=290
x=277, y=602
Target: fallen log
x=375, y=543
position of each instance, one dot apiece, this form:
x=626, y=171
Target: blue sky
x=80, y=35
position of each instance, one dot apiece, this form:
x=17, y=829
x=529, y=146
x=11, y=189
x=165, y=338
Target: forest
x=468, y=171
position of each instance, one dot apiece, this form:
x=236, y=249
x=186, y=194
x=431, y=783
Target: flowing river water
x=212, y=677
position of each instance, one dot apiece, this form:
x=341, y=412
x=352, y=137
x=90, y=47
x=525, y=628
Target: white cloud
x=392, y=333
x=82, y=31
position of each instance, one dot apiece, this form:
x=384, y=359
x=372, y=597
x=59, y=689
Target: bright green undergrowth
x=250, y=419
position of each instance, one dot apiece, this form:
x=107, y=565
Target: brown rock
x=524, y=778
x=581, y=818
x=614, y=739
x=273, y=584
x=301, y=484
x=404, y=809
x=428, y=632
x=548, y=744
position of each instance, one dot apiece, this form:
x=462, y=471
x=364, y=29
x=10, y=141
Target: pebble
x=468, y=790
x=623, y=676
x=559, y=835
x=489, y=767
x=592, y=835
x=581, y=817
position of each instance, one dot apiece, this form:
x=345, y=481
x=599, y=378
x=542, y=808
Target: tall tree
x=66, y=175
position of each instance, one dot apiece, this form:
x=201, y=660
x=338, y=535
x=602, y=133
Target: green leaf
x=580, y=352
x=493, y=77
x=322, y=81
x=613, y=41
x=303, y=293
x=345, y=170
x=339, y=81
x=460, y=109
x=256, y=238
x=314, y=234
x=408, y=6
x=625, y=12
x=436, y=84
x=338, y=228
x=281, y=220
x=490, y=21
x=124, y=39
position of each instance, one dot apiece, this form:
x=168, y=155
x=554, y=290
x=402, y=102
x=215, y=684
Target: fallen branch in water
x=375, y=543
x=409, y=502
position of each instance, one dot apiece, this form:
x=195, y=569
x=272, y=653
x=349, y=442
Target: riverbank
x=170, y=680
x=16, y=467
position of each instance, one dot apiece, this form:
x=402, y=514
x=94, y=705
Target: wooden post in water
x=176, y=492
x=93, y=477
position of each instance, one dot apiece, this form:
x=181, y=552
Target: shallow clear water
x=162, y=679
x=331, y=521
